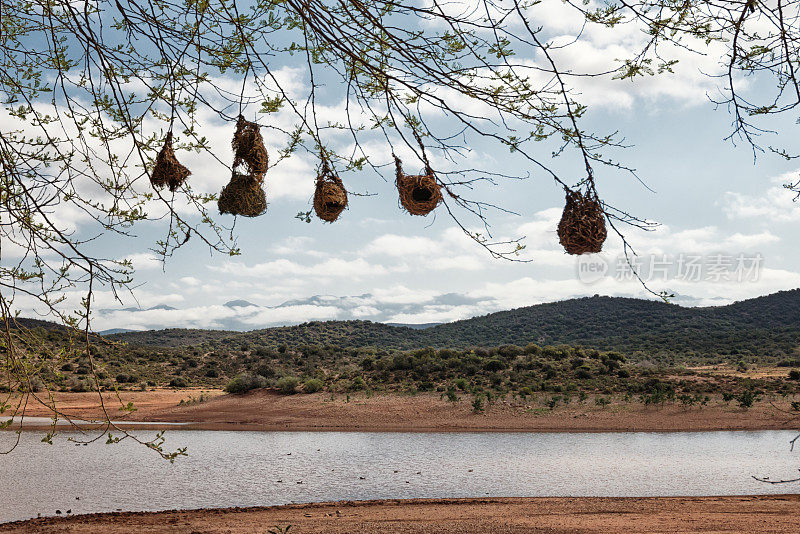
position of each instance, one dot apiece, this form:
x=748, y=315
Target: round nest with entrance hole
x=242, y=196
x=168, y=171
x=330, y=198
x=419, y=194
x=248, y=148
x=582, y=228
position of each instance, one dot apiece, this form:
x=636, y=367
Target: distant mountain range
x=243, y=315
x=767, y=325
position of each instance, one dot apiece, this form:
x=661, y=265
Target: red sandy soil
x=756, y=514
x=267, y=410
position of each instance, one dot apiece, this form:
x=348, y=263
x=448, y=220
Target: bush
x=461, y=383
x=312, y=385
x=583, y=373
x=451, y=395
x=794, y=374
x=34, y=385
x=265, y=370
x=358, y=384
x=244, y=382
x=747, y=398
x=477, y=404
x=288, y=384
x=76, y=385
x=178, y=382
x=494, y=366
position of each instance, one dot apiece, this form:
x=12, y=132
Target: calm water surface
x=264, y=468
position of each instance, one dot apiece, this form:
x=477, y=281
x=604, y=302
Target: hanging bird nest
x=330, y=196
x=582, y=228
x=248, y=148
x=242, y=196
x=168, y=171
x=419, y=194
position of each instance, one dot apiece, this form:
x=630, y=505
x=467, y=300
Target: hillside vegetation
x=765, y=327
x=600, y=347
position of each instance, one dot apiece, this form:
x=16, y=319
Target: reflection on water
x=263, y=468
x=48, y=421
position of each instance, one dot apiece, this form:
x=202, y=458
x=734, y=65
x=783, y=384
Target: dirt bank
x=776, y=514
x=267, y=410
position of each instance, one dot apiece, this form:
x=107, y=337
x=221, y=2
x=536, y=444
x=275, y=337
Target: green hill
x=765, y=326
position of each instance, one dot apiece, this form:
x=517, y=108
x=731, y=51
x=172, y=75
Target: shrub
x=245, y=382
x=426, y=385
x=358, y=384
x=77, y=385
x=265, y=370
x=288, y=384
x=494, y=366
x=34, y=385
x=312, y=385
x=178, y=382
x=451, y=395
x=794, y=374
x=747, y=398
x=461, y=383
x=623, y=373
x=477, y=404
x=583, y=373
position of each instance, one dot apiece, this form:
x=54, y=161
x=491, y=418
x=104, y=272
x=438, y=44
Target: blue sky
x=711, y=199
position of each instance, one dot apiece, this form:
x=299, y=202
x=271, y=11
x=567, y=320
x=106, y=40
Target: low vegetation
x=555, y=375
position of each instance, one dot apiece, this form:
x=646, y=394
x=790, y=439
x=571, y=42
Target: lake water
x=264, y=468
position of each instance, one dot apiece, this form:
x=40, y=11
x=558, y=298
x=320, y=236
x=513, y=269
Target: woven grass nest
x=168, y=171
x=248, y=148
x=330, y=196
x=242, y=196
x=582, y=228
x=419, y=194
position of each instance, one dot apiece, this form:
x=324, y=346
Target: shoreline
x=744, y=513
x=265, y=410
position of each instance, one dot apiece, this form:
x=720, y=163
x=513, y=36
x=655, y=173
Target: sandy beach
x=268, y=410
x=762, y=514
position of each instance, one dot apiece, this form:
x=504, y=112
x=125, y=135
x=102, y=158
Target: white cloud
x=402, y=246
x=334, y=267
x=775, y=205
x=144, y=260
x=291, y=315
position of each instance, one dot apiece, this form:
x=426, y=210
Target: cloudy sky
x=727, y=226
